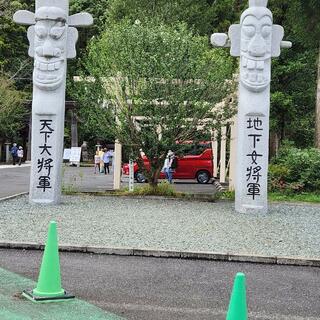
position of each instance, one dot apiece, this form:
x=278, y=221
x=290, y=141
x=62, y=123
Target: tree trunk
x=273, y=145
x=318, y=106
x=154, y=178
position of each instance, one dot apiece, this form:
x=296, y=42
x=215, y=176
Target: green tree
x=14, y=60
x=98, y=9
x=305, y=23
x=12, y=111
x=167, y=77
x=95, y=118
x=294, y=73
x=294, y=76
x=195, y=13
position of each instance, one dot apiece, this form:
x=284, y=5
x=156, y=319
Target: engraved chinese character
x=44, y=183
x=46, y=129
x=45, y=163
x=255, y=138
x=254, y=173
x=45, y=148
x=254, y=156
x=253, y=190
x=254, y=123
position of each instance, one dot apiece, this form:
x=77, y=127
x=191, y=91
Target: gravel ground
x=289, y=230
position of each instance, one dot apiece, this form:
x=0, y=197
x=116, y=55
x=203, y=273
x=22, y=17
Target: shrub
x=295, y=170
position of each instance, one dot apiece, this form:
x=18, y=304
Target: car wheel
x=203, y=177
x=140, y=177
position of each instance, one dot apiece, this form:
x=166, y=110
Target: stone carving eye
x=41, y=32
x=266, y=31
x=57, y=32
x=249, y=31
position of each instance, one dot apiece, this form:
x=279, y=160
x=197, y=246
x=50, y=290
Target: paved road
x=15, y=179
x=172, y=289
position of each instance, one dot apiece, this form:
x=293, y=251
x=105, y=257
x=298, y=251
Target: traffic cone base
x=29, y=294
x=49, y=280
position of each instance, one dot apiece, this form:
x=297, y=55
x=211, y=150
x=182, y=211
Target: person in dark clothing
x=106, y=160
x=14, y=153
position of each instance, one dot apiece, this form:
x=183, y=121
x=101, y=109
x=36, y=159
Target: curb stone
x=209, y=256
x=14, y=196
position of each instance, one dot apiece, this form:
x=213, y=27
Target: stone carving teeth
x=253, y=77
x=260, y=65
x=244, y=62
x=251, y=64
x=43, y=67
x=260, y=78
x=57, y=65
x=51, y=67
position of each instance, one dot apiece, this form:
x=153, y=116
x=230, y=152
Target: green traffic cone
x=49, y=281
x=238, y=302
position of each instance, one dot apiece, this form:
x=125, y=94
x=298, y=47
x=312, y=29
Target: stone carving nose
x=257, y=47
x=48, y=51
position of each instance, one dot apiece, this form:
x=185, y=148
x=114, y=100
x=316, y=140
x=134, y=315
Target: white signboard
x=66, y=154
x=75, y=154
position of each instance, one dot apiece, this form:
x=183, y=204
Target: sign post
x=131, y=176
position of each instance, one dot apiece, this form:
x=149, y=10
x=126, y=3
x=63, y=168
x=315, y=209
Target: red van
x=198, y=167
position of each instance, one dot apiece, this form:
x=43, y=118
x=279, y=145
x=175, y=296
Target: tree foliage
x=12, y=111
x=294, y=74
x=14, y=60
x=166, y=75
x=196, y=14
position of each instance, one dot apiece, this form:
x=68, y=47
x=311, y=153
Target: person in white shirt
x=96, y=162
x=20, y=155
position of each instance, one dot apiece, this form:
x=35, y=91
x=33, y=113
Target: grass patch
x=164, y=189
x=295, y=197
x=226, y=195
x=279, y=196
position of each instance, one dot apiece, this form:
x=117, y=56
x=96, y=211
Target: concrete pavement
x=140, y=288
x=15, y=180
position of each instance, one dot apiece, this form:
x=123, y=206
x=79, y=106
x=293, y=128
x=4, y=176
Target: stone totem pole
x=52, y=38
x=255, y=40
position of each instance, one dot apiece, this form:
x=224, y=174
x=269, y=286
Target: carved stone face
x=49, y=53
x=256, y=46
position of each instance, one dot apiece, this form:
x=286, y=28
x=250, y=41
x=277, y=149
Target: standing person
x=173, y=164
x=101, y=160
x=169, y=165
x=106, y=161
x=20, y=155
x=96, y=162
x=14, y=153
x=166, y=165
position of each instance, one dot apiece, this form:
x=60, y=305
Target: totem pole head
x=52, y=40
x=256, y=39
x=50, y=47
x=256, y=46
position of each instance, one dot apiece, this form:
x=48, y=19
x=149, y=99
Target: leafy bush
x=295, y=170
